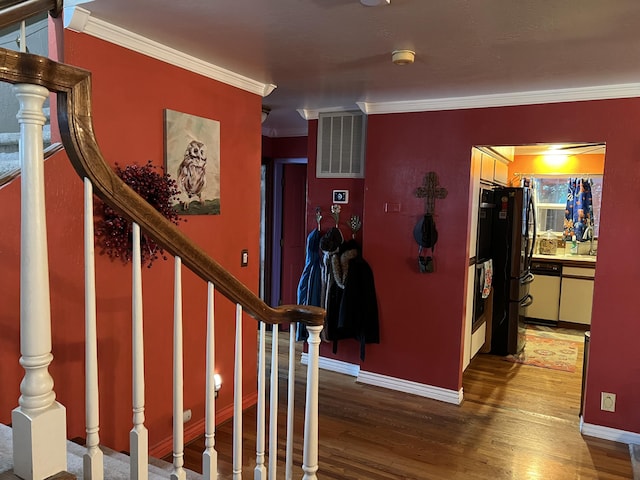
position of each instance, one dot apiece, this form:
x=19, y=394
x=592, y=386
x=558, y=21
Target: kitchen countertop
x=588, y=261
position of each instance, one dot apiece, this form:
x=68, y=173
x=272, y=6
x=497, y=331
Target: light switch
x=244, y=258
x=391, y=207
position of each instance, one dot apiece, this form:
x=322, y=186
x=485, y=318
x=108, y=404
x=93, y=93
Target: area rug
x=545, y=352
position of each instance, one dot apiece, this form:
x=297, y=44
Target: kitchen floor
x=559, y=333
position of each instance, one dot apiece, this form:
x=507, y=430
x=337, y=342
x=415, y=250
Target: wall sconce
x=265, y=113
x=217, y=382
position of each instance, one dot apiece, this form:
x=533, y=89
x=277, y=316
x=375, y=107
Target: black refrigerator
x=512, y=243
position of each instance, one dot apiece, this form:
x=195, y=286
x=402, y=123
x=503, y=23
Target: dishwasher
x=545, y=290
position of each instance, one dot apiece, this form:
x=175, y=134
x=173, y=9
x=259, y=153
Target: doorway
x=549, y=171
x=283, y=229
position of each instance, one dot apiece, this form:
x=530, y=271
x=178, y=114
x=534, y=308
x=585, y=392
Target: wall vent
x=341, y=144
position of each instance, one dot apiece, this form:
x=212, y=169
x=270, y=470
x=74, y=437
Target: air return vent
x=341, y=137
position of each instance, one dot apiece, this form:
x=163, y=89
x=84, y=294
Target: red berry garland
x=114, y=233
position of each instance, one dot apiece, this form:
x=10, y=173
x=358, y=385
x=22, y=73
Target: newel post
x=39, y=422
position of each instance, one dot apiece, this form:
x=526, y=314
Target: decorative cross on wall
x=430, y=190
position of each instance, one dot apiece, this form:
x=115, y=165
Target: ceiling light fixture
x=265, y=113
x=374, y=3
x=403, y=57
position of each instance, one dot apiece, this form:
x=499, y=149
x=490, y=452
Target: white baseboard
x=428, y=391
x=333, y=365
x=392, y=383
x=608, y=433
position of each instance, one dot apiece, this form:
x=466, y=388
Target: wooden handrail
x=13, y=11
x=73, y=88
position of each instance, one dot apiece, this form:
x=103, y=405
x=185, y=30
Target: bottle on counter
x=574, y=245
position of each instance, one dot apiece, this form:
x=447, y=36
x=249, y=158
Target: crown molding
x=80, y=20
x=313, y=113
x=602, y=92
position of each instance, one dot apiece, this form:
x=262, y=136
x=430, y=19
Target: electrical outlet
x=186, y=415
x=608, y=402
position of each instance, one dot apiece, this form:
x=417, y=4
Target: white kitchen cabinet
x=501, y=173
x=487, y=165
x=506, y=152
x=545, y=290
x=494, y=170
x=576, y=297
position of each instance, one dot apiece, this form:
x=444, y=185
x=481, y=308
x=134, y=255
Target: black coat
x=352, y=306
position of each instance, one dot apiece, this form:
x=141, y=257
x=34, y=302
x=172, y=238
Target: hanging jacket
x=310, y=285
x=352, y=307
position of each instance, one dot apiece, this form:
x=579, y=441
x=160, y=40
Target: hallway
x=516, y=422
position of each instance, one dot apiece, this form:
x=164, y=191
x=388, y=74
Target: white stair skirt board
x=407, y=386
x=116, y=465
x=333, y=365
x=608, y=433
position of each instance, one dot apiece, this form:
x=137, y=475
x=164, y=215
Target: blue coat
x=310, y=285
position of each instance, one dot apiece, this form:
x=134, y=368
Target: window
x=551, y=195
x=37, y=42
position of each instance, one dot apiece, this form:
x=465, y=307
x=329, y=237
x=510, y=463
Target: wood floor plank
x=516, y=422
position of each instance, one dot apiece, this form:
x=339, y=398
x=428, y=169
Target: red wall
x=421, y=316
x=320, y=194
x=284, y=147
x=130, y=92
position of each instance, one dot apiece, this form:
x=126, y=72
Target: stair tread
x=116, y=464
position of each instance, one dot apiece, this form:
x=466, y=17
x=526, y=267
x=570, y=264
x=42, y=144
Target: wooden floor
x=516, y=422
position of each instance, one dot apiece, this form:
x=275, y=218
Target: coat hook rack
x=355, y=224
x=430, y=190
x=335, y=213
x=318, y=216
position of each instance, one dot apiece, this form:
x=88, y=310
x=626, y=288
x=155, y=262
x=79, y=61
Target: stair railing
x=39, y=422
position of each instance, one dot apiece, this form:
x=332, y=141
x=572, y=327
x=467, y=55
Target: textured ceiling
x=334, y=53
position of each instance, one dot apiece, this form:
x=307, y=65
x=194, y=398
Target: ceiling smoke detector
x=374, y=3
x=403, y=57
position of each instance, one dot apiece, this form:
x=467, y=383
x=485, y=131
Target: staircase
x=115, y=463
x=36, y=446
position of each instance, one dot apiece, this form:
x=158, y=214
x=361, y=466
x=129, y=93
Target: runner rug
x=547, y=352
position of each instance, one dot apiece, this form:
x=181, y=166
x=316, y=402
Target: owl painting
x=192, y=158
x=192, y=172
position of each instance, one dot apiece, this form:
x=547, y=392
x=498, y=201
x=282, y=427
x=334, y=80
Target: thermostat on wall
x=341, y=196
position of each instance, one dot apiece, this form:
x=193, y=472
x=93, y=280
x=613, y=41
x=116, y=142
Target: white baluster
x=210, y=456
x=93, y=462
x=288, y=475
x=310, y=448
x=178, y=472
x=23, y=36
x=139, y=436
x=273, y=405
x=260, y=472
x=39, y=422
x=237, y=399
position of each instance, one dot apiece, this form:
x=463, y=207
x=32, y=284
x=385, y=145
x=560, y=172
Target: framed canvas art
x=192, y=158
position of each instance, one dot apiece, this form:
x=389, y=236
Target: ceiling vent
x=341, y=144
